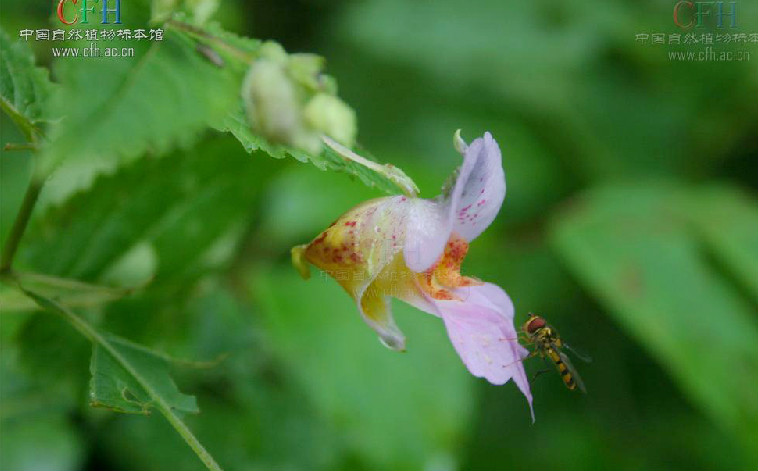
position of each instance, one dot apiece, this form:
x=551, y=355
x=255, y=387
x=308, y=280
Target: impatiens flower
x=412, y=249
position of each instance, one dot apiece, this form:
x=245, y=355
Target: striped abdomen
x=568, y=380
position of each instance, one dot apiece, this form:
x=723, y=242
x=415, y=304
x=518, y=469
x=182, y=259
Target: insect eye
x=534, y=324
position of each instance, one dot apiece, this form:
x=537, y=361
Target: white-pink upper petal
x=479, y=190
x=468, y=209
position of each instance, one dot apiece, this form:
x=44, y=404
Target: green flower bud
x=273, y=51
x=270, y=101
x=331, y=116
x=305, y=69
x=289, y=101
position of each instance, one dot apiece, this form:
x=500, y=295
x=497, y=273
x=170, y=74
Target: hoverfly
x=548, y=344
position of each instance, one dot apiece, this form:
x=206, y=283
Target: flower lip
x=481, y=330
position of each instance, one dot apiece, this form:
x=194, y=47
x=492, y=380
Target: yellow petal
x=362, y=251
x=299, y=261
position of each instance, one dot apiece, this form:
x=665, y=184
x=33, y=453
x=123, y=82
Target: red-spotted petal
x=468, y=209
x=356, y=250
x=479, y=190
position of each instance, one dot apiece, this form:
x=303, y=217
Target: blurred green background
x=631, y=223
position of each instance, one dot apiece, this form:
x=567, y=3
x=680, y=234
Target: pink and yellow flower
x=412, y=249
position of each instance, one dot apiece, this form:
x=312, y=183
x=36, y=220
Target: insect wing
x=580, y=355
x=572, y=370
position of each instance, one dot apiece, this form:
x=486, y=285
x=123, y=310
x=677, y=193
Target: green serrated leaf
x=236, y=123
x=112, y=386
x=126, y=377
x=134, y=370
x=24, y=88
x=268, y=421
x=70, y=293
x=635, y=250
x=236, y=53
x=118, y=108
x=175, y=208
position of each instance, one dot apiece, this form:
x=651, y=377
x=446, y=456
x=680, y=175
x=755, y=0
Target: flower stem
x=19, y=225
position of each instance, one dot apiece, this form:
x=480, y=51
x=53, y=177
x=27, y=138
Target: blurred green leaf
x=47, y=442
x=148, y=103
x=126, y=377
x=254, y=416
x=114, y=387
x=171, y=210
x=300, y=202
x=235, y=50
x=36, y=430
x=728, y=221
x=138, y=374
x=55, y=355
x=542, y=62
x=635, y=251
x=199, y=10
x=394, y=410
x=24, y=88
x=70, y=293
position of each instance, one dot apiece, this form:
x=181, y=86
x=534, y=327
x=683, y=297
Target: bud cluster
x=289, y=101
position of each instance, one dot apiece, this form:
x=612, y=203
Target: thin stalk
x=14, y=146
x=95, y=337
x=19, y=225
x=27, y=127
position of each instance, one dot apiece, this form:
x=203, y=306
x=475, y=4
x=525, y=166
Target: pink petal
x=479, y=189
x=482, y=332
x=501, y=302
